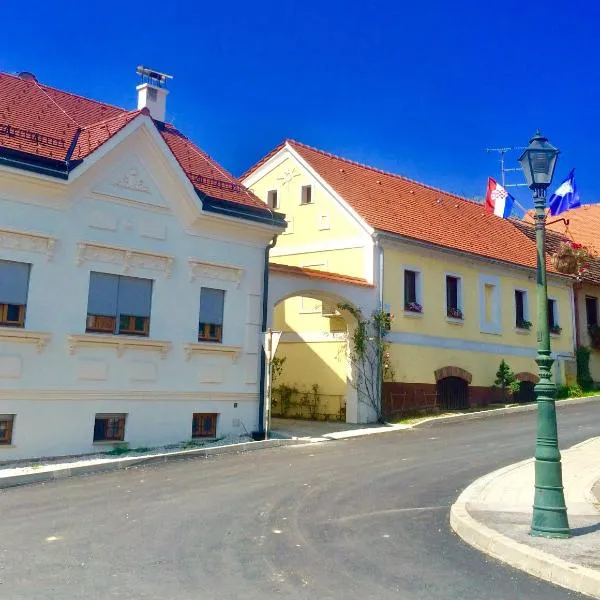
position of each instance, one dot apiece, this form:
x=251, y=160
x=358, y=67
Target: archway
x=316, y=378
x=526, y=392
x=453, y=387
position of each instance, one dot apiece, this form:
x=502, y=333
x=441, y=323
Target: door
x=453, y=393
x=526, y=392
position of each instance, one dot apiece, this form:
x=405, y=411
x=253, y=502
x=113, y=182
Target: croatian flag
x=498, y=200
x=565, y=197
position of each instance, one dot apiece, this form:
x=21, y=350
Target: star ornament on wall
x=288, y=176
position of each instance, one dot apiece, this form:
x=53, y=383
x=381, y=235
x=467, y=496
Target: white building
x=131, y=278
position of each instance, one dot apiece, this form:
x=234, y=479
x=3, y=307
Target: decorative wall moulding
x=208, y=348
x=31, y=242
x=119, y=343
x=129, y=259
x=22, y=336
x=199, y=269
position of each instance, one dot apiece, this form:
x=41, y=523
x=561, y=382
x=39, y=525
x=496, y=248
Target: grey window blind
x=135, y=296
x=211, y=306
x=102, y=295
x=14, y=282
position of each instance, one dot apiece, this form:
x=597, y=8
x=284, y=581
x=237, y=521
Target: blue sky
x=418, y=88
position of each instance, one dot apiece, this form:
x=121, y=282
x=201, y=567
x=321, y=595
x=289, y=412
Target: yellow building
x=459, y=281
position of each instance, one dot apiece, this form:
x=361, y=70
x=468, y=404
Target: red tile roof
x=584, y=225
x=395, y=204
x=317, y=274
x=43, y=121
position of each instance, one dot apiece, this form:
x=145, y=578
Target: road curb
x=136, y=461
x=521, y=556
x=498, y=412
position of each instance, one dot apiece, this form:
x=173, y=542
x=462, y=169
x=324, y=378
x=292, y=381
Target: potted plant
x=455, y=313
x=413, y=307
x=571, y=258
x=524, y=324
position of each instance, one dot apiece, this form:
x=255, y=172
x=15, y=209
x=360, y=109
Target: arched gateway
x=317, y=296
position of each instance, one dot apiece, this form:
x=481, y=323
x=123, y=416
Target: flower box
x=413, y=307
x=524, y=325
x=556, y=330
x=455, y=313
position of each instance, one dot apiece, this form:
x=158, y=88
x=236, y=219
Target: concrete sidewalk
x=494, y=514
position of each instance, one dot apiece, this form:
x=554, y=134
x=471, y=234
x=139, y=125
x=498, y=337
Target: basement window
x=204, y=425
x=6, y=429
x=109, y=428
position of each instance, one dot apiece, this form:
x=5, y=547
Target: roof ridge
x=381, y=171
x=119, y=116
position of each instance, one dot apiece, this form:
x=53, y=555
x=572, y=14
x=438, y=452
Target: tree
x=369, y=355
x=505, y=378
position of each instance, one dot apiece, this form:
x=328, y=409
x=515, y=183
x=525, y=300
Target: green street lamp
x=549, y=511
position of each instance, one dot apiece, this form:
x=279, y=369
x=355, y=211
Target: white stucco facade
x=128, y=209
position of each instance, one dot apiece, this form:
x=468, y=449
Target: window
x=272, y=199
x=109, y=428
x=412, y=291
x=591, y=310
x=553, y=316
x=453, y=297
x=118, y=304
x=211, y=315
x=14, y=285
x=522, y=310
x=6, y=429
x=204, y=425
x=306, y=194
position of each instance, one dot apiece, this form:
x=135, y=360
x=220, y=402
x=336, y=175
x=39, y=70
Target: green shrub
x=569, y=391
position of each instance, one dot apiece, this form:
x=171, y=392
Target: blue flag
x=565, y=197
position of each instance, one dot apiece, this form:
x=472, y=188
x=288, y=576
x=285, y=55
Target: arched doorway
x=453, y=388
x=526, y=391
x=453, y=393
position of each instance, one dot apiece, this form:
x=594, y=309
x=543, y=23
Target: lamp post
x=549, y=511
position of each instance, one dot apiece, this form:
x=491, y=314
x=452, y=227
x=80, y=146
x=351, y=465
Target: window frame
x=587, y=312
x=5, y=306
x=418, y=290
x=113, y=323
x=306, y=199
x=7, y=439
x=526, y=309
x=554, y=316
x=459, y=298
x=211, y=332
x=122, y=417
x=197, y=418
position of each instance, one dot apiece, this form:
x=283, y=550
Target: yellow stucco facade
x=421, y=343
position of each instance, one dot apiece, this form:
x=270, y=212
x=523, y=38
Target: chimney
x=152, y=92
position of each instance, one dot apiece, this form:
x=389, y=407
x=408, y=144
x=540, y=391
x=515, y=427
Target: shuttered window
x=119, y=304
x=14, y=286
x=212, y=303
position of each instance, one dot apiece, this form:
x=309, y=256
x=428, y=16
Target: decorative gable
x=132, y=182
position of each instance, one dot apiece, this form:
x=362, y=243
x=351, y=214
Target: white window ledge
x=522, y=331
x=211, y=348
x=119, y=342
x=411, y=314
x=23, y=336
x=452, y=321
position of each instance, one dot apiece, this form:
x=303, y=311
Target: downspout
x=380, y=286
x=263, y=362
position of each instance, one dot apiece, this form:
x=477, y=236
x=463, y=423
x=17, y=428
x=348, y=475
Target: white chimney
x=152, y=93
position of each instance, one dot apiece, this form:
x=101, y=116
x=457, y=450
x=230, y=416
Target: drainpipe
x=380, y=286
x=263, y=362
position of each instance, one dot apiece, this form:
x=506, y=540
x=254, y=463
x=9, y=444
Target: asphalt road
x=363, y=518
